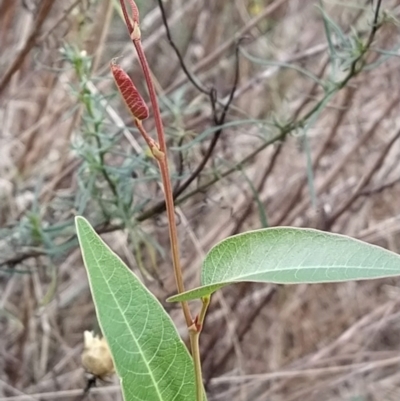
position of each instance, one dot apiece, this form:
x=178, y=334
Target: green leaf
x=291, y=256
x=149, y=356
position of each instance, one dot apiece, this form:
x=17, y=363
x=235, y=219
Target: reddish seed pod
x=136, y=105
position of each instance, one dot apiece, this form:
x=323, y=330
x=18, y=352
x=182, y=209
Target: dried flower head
x=96, y=356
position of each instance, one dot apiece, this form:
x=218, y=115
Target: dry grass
x=321, y=342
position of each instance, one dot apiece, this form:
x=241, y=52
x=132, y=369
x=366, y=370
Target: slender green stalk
x=194, y=337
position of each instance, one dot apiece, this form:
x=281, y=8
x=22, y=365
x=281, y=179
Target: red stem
x=160, y=153
x=152, y=94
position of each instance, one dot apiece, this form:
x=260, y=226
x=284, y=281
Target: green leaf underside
x=286, y=255
x=149, y=356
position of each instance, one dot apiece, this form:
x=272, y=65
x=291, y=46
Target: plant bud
x=135, y=11
x=96, y=356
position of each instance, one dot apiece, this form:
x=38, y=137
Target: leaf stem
x=194, y=335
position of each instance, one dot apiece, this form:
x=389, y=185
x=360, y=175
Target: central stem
x=163, y=163
x=159, y=151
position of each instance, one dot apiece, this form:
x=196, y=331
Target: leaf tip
x=80, y=221
x=172, y=299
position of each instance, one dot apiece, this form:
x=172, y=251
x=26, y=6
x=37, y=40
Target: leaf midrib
x=239, y=277
x=129, y=328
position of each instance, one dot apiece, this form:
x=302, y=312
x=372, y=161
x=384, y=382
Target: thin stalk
x=101, y=152
x=169, y=201
x=152, y=95
x=194, y=335
x=195, y=326
x=160, y=153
